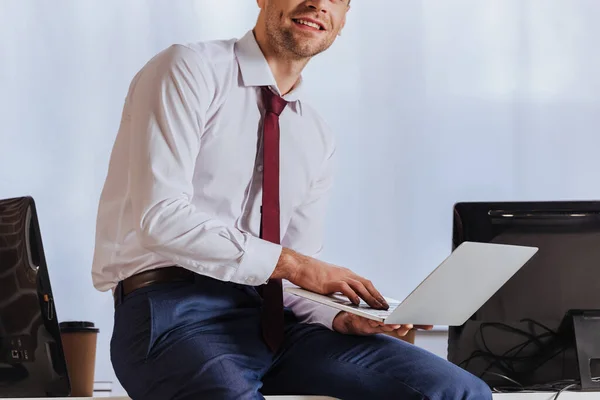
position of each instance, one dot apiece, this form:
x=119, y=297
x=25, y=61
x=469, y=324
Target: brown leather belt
x=160, y=275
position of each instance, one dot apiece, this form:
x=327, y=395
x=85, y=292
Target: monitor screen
x=514, y=338
x=32, y=362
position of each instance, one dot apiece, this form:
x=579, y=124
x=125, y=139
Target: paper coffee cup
x=79, y=340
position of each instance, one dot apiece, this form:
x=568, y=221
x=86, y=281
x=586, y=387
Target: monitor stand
x=581, y=328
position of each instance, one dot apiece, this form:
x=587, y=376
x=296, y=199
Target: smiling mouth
x=309, y=24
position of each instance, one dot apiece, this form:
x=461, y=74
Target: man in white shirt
x=214, y=198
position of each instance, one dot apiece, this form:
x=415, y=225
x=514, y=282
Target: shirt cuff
x=308, y=311
x=323, y=315
x=258, y=262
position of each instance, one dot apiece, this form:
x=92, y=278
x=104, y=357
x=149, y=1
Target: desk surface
x=548, y=396
x=497, y=396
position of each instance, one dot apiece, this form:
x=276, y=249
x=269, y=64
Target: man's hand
x=323, y=278
x=352, y=324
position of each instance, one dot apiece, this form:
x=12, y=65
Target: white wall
x=435, y=341
x=433, y=101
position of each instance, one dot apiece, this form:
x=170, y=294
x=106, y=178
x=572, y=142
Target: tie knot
x=272, y=102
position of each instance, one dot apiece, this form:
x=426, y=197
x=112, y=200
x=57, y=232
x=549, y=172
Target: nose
x=318, y=5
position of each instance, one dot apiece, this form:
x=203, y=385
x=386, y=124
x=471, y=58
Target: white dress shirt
x=184, y=183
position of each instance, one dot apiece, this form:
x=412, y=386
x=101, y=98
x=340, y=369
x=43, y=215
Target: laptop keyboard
x=383, y=313
x=365, y=307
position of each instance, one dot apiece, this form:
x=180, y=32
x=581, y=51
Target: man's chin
x=304, y=49
x=302, y=46
x=303, y=53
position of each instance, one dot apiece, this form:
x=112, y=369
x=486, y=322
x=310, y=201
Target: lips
x=317, y=25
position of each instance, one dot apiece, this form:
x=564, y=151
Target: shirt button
x=260, y=168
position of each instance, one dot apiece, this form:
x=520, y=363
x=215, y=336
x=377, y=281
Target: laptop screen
x=564, y=275
x=32, y=362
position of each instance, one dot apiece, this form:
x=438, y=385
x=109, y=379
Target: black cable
x=505, y=378
x=480, y=353
x=509, y=361
x=558, y=386
x=564, y=389
x=506, y=361
x=534, y=322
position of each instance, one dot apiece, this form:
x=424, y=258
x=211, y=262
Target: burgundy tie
x=272, y=312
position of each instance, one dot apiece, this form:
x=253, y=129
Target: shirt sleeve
x=168, y=108
x=305, y=235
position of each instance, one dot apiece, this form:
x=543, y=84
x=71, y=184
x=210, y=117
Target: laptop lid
x=32, y=362
x=461, y=284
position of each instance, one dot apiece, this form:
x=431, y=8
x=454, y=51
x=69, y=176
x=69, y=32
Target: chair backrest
x=32, y=362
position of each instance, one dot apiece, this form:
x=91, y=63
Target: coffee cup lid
x=77, y=326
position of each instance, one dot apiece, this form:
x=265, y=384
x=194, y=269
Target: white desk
x=548, y=396
x=497, y=396
x=127, y=398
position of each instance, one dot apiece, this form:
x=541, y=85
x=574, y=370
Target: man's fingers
x=387, y=328
x=362, y=291
x=349, y=292
x=364, y=326
x=375, y=293
x=403, y=330
x=371, y=330
x=424, y=327
x=373, y=324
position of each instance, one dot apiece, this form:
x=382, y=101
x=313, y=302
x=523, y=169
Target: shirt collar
x=256, y=71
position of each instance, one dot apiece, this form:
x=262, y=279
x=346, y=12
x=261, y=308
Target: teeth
x=307, y=23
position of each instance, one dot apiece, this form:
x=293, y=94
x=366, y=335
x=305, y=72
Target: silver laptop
x=453, y=292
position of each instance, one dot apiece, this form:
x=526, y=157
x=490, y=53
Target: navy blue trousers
x=202, y=340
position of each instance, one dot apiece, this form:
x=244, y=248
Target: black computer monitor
x=516, y=338
x=32, y=362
